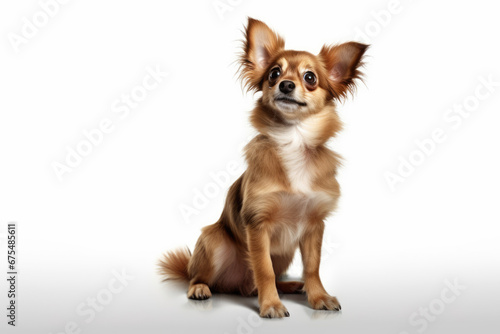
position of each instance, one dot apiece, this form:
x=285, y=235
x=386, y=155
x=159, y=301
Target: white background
x=388, y=252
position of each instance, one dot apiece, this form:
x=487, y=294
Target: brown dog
x=282, y=199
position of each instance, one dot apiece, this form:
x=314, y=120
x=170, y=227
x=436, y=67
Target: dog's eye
x=274, y=74
x=310, y=78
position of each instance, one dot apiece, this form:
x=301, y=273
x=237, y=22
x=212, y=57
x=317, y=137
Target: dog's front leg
x=259, y=244
x=310, y=249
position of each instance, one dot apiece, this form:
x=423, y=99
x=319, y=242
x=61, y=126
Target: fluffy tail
x=174, y=265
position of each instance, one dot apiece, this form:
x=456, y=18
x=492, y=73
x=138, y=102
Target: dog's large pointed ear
x=342, y=63
x=259, y=46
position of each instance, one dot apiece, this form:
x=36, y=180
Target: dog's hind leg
x=213, y=265
x=199, y=291
x=201, y=267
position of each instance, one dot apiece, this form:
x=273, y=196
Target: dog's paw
x=199, y=292
x=273, y=310
x=324, y=302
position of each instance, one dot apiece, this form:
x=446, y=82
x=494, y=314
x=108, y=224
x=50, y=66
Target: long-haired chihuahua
x=281, y=201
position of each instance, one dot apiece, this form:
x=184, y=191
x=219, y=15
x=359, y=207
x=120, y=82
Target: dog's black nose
x=287, y=86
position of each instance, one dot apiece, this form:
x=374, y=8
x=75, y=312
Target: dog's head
x=295, y=83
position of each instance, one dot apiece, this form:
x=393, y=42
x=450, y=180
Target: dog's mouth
x=289, y=100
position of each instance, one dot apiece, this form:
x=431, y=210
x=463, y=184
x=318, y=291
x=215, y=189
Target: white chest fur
x=292, y=147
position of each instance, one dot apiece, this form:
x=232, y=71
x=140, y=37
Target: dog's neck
x=309, y=132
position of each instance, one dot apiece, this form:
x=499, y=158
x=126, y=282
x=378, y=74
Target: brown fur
x=280, y=202
x=174, y=265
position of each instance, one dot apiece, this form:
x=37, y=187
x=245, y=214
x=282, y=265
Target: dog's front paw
x=324, y=302
x=273, y=310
